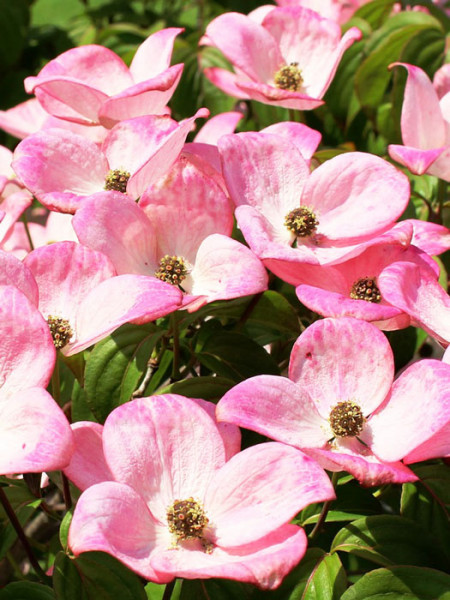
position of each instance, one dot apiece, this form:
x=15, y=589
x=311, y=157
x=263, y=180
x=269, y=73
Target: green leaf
x=272, y=316
x=401, y=583
x=235, y=356
x=115, y=366
x=208, y=387
x=375, y=13
x=319, y=576
x=25, y=590
x=95, y=576
x=64, y=528
x=389, y=540
x=56, y=12
x=217, y=589
x=13, y=31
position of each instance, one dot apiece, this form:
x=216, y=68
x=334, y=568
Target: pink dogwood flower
x=14, y=199
x=337, y=10
x=178, y=508
x=288, y=59
x=425, y=123
x=290, y=216
x=351, y=288
x=61, y=168
x=340, y=404
x=92, y=85
x=82, y=299
x=35, y=433
x=179, y=232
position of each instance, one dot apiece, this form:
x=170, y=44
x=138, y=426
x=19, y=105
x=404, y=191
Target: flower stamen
x=346, y=419
x=289, y=77
x=117, y=180
x=302, y=221
x=365, y=289
x=61, y=331
x=172, y=269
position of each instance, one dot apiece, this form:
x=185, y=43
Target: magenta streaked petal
x=154, y=54
x=35, y=433
x=263, y=563
x=111, y=517
x=417, y=161
x=217, y=126
x=173, y=451
x=231, y=435
x=418, y=407
x=276, y=407
x=87, y=465
x=339, y=360
x=305, y=139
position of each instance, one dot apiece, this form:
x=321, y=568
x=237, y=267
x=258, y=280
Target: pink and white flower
x=92, y=85
x=340, y=404
x=168, y=459
x=287, y=59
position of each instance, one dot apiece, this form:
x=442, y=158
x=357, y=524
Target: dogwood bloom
x=290, y=216
x=14, y=199
x=35, y=433
x=179, y=232
x=61, y=168
x=425, y=123
x=340, y=404
x=178, y=508
x=338, y=10
x=82, y=299
x=92, y=85
x=288, y=59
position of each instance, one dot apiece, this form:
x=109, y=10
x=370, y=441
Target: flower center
x=117, y=180
x=186, y=519
x=61, y=331
x=301, y=221
x=172, y=269
x=365, y=289
x=289, y=77
x=346, y=419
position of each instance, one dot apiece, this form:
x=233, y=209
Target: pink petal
x=154, y=54
x=263, y=563
x=349, y=195
x=24, y=119
x=260, y=489
x=14, y=272
x=430, y=237
x=111, y=517
x=113, y=224
x=357, y=459
x=277, y=97
x=65, y=273
x=419, y=406
x=165, y=447
x=58, y=167
x=230, y=434
x=35, y=433
x=227, y=81
x=87, y=466
x=118, y=300
x=276, y=407
x=417, y=161
x=146, y=98
x=226, y=269
x=306, y=139
x=421, y=122
x=218, y=126
x=437, y=446
x=441, y=81
x=247, y=45
x=27, y=353
x=414, y=289
x=336, y=360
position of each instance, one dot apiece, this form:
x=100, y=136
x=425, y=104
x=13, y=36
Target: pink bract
x=35, y=433
x=425, y=124
x=92, y=85
x=338, y=10
x=290, y=37
x=186, y=216
x=268, y=179
x=61, y=168
x=164, y=450
x=79, y=285
x=342, y=367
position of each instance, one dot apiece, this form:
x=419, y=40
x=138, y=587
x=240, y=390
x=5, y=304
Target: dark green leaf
x=13, y=31
x=115, y=366
x=401, y=583
x=217, y=589
x=390, y=540
x=376, y=12
x=208, y=387
x=25, y=590
x=66, y=579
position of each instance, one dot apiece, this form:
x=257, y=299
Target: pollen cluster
x=365, y=289
x=172, y=269
x=346, y=419
x=289, y=77
x=117, y=180
x=301, y=221
x=186, y=519
x=61, y=331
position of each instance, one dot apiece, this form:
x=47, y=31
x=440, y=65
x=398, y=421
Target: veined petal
x=417, y=161
x=154, y=54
